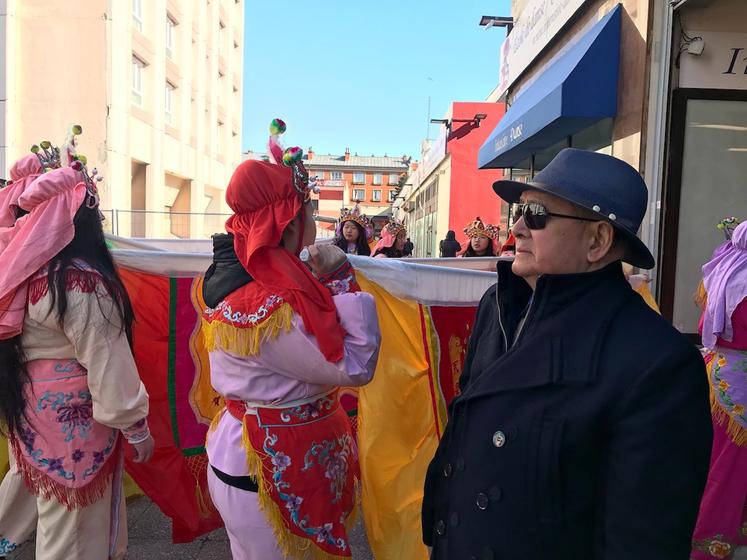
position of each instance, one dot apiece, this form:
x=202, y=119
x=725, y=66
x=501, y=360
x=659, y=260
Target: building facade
x=372, y=182
x=156, y=86
x=447, y=191
x=696, y=142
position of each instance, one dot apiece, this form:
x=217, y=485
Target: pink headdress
x=389, y=235
x=22, y=174
x=725, y=282
x=52, y=201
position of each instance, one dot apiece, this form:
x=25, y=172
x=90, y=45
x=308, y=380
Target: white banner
x=536, y=26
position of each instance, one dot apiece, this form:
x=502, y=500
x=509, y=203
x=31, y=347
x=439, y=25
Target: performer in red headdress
x=283, y=461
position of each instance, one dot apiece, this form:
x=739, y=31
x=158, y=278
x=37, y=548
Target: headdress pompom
x=292, y=155
x=277, y=127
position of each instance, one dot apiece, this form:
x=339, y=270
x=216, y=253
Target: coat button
x=482, y=501
x=447, y=470
x=486, y=554
x=460, y=464
x=495, y=494
x=499, y=439
x=454, y=519
x=441, y=527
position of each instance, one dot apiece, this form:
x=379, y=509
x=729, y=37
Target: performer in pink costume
x=722, y=521
x=68, y=380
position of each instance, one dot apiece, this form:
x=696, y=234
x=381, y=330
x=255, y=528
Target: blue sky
x=358, y=74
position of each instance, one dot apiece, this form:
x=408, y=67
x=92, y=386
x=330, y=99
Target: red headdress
x=265, y=198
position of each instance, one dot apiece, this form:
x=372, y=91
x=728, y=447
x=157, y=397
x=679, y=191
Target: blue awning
x=573, y=93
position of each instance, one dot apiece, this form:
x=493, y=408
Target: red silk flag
x=172, y=363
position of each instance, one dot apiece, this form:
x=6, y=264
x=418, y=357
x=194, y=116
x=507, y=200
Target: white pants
x=247, y=527
x=83, y=534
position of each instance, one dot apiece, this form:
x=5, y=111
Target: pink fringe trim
x=40, y=484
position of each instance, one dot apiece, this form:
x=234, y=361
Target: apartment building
x=156, y=86
x=348, y=179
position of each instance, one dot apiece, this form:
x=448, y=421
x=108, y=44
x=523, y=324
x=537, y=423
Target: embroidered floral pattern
x=137, y=433
x=321, y=533
x=333, y=457
x=718, y=547
x=726, y=375
x=6, y=546
x=306, y=412
x=74, y=412
x=244, y=319
x=341, y=281
x=100, y=457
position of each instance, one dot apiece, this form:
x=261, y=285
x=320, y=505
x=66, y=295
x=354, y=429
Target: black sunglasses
x=535, y=215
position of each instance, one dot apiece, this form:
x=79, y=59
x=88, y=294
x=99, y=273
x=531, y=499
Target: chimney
x=310, y=154
x=347, y=154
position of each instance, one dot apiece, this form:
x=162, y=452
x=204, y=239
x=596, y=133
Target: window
x=391, y=195
x=359, y=195
x=169, y=103
x=137, y=14
x=219, y=139
x=319, y=173
x=221, y=33
x=377, y=179
x=137, y=81
x=359, y=178
x=376, y=196
x=394, y=178
x=170, y=25
x=335, y=175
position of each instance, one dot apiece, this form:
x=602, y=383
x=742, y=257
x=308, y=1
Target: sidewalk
x=150, y=539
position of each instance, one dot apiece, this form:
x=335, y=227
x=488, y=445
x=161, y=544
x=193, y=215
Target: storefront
x=576, y=79
x=701, y=145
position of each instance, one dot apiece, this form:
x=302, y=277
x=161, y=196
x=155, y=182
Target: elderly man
x=583, y=428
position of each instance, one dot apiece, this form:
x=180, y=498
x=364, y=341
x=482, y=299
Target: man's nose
x=520, y=229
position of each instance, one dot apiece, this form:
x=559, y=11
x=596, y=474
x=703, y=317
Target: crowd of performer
x=586, y=425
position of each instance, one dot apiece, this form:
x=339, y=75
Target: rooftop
x=325, y=161
x=331, y=160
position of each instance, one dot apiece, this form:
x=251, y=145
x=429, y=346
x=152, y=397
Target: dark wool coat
x=588, y=438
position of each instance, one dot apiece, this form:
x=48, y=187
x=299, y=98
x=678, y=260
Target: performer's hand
x=144, y=450
x=324, y=259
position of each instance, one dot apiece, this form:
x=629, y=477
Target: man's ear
x=601, y=242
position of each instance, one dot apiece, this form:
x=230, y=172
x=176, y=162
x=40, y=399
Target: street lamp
x=448, y=122
x=497, y=21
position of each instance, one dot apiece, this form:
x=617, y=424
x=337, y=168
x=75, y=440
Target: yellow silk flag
x=395, y=449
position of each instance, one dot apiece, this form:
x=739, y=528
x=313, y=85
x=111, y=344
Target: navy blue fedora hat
x=603, y=184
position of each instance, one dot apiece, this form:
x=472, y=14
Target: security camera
x=696, y=46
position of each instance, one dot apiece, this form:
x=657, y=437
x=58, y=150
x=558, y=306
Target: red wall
x=471, y=189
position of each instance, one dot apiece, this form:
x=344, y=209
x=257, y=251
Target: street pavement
x=150, y=539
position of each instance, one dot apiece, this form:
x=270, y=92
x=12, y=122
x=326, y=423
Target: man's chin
x=521, y=267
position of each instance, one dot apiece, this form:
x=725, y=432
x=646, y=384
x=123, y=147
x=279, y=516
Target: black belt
x=248, y=483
